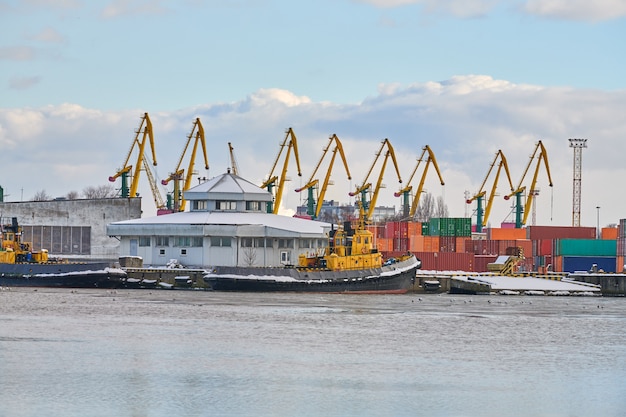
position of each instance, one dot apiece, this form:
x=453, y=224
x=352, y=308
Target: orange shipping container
x=609, y=233
x=415, y=229
x=431, y=243
x=460, y=243
x=505, y=234
x=416, y=243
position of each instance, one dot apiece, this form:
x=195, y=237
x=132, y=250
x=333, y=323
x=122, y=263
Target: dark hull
x=393, y=279
x=62, y=275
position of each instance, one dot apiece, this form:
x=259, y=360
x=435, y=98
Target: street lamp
x=598, y=222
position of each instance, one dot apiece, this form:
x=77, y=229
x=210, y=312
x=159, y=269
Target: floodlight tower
x=578, y=145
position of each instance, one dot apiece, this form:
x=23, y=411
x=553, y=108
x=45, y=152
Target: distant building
x=227, y=225
x=332, y=211
x=71, y=228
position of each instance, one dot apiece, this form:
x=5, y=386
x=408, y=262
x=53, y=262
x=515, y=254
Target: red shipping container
x=560, y=232
x=481, y=261
x=446, y=261
x=447, y=244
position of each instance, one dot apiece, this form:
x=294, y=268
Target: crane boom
x=521, y=213
x=409, y=213
x=482, y=218
x=233, y=162
x=313, y=183
x=289, y=142
x=146, y=132
x=367, y=185
x=197, y=134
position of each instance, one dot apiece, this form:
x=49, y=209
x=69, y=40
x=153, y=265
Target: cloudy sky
x=465, y=77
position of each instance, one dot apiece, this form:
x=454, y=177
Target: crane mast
x=289, y=143
x=312, y=209
x=521, y=212
x=406, y=191
x=147, y=136
x=483, y=217
x=233, y=162
x=366, y=186
x=197, y=135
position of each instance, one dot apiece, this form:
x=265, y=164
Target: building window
x=222, y=241
x=183, y=252
x=254, y=205
x=306, y=243
x=285, y=243
x=144, y=241
x=162, y=241
x=161, y=252
x=199, y=205
x=226, y=205
x=246, y=242
x=197, y=241
x=182, y=241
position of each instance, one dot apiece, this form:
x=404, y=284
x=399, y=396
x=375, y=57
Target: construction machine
x=197, y=134
x=234, y=168
x=313, y=210
x=406, y=191
x=483, y=217
x=521, y=212
x=145, y=130
x=288, y=143
x=366, y=186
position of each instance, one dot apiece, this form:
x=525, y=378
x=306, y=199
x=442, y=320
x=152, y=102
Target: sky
x=467, y=78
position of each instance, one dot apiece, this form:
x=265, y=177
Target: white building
x=227, y=224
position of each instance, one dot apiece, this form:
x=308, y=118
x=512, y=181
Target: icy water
x=190, y=353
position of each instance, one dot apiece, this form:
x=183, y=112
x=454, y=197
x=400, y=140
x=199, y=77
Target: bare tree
x=41, y=196
x=426, y=208
x=249, y=256
x=101, y=191
x=72, y=195
x=441, y=209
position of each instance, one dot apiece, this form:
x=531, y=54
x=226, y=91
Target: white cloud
x=49, y=35
x=119, y=8
x=583, y=10
x=465, y=120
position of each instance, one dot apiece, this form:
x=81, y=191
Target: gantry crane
x=521, y=213
x=482, y=218
x=145, y=128
x=312, y=209
x=363, y=189
x=289, y=142
x=406, y=191
x=197, y=134
x=233, y=162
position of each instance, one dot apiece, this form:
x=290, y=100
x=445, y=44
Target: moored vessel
x=350, y=264
x=20, y=266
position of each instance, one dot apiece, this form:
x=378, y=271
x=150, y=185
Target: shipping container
x=414, y=229
x=560, y=232
x=542, y=247
x=621, y=246
x=585, y=263
x=620, y=265
x=622, y=228
x=446, y=261
x=431, y=243
x=416, y=243
x=505, y=234
x=481, y=262
x=584, y=247
x=447, y=244
x=609, y=233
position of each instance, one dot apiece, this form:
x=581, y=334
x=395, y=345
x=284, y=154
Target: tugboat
x=350, y=264
x=20, y=266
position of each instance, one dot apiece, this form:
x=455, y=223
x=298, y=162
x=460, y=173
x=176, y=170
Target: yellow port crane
x=233, y=162
x=313, y=182
x=521, y=213
x=483, y=217
x=145, y=130
x=366, y=186
x=289, y=143
x=197, y=134
x=406, y=191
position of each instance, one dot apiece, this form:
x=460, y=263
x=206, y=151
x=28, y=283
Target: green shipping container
x=585, y=247
x=449, y=226
x=425, y=229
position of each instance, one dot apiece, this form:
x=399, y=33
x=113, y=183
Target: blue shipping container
x=584, y=263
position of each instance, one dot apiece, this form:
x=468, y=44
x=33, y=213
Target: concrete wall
x=95, y=213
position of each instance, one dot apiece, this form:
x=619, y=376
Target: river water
x=194, y=353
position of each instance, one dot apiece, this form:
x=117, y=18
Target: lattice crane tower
x=578, y=145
